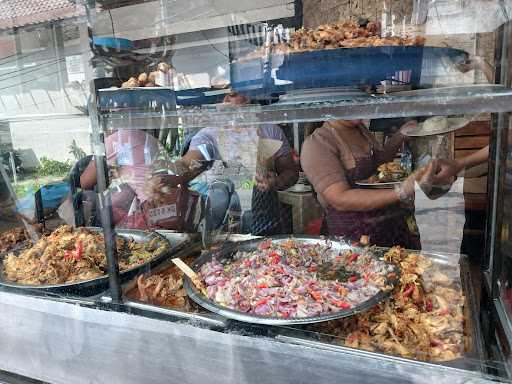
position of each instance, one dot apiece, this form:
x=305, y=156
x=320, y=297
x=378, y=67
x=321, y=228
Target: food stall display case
x=159, y=220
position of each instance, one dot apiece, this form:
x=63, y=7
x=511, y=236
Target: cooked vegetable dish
x=294, y=279
x=69, y=255
x=423, y=319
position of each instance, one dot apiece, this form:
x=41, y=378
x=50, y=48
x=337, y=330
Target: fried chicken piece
x=143, y=79
x=131, y=83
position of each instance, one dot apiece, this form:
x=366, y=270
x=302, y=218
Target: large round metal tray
x=99, y=284
x=229, y=250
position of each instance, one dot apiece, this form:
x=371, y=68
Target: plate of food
x=74, y=261
x=388, y=175
x=282, y=280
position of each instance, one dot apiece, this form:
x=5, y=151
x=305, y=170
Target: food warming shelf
x=439, y=101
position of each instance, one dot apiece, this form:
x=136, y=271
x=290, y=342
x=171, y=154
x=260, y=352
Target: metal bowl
x=229, y=250
x=96, y=285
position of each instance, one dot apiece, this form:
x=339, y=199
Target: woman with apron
x=342, y=152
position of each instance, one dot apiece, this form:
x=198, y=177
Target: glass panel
x=321, y=166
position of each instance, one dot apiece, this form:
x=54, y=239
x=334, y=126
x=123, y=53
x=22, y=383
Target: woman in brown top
x=338, y=154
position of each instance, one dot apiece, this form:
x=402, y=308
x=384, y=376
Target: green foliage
x=248, y=184
x=77, y=152
x=51, y=167
x=23, y=189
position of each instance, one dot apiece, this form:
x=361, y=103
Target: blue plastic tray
x=115, y=43
x=251, y=77
x=358, y=66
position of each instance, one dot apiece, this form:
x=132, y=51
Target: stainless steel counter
x=67, y=343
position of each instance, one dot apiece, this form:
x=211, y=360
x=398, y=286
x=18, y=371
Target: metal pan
x=94, y=286
x=388, y=185
x=230, y=250
x=143, y=308
x=457, y=267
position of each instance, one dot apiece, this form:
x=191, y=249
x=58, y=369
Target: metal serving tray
x=229, y=250
x=140, y=307
x=94, y=286
x=474, y=356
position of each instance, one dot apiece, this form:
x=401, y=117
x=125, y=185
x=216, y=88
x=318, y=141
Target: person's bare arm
x=287, y=172
x=286, y=176
x=343, y=198
x=189, y=166
x=447, y=169
x=474, y=159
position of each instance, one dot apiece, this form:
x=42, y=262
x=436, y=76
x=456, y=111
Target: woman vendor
x=279, y=173
x=342, y=152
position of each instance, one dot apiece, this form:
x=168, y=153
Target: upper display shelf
x=317, y=105
x=296, y=63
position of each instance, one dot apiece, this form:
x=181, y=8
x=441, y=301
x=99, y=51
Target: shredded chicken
x=416, y=322
x=15, y=236
x=165, y=289
x=68, y=255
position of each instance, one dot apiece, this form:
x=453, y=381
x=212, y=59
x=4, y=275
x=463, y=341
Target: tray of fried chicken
x=345, y=34
x=161, y=292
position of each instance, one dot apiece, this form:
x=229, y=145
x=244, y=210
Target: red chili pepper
x=342, y=304
x=284, y=314
x=353, y=257
x=262, y=301
x=312, y=268
x=429, y=306
x=352, y=279
x=351, y=338
x=408, y=290
x=275, y=258
x=261, y=286
x=79, y=250
x=444, y=312
x=316, y=295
